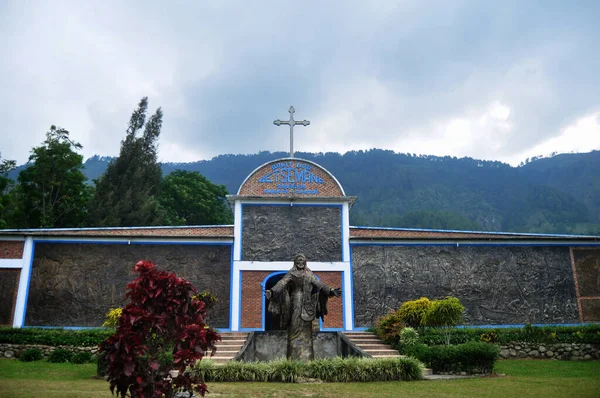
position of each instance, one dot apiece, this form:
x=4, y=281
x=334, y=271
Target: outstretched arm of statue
x=337, y=292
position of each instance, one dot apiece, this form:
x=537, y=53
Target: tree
x=161, y=329
x=52, y=191
x=443, y=314
x=189, y=198
x=5, y=185
x=127, y=193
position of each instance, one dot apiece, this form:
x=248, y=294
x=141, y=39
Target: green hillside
x=560, y=194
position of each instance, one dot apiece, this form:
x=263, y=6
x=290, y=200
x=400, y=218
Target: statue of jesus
x=300, y=297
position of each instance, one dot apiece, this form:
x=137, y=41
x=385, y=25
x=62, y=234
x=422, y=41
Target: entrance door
x=272, y=322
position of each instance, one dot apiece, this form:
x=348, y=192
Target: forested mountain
x=560, y=194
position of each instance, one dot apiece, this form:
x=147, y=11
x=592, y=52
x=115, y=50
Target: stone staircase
x=371, y=345
x=231, y=343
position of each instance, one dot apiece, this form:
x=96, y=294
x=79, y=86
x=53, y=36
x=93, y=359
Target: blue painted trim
x=263, y=284
x=458, y=244
x=352, y=292
x=341, y=206
x=250, y=330
x=28, y=283
x=67, y=327
x=127, y=242
x=521, y=325
x=231, y=290
x=478, y=232
x=360, y=328
x=332, y=329
x=240, y=301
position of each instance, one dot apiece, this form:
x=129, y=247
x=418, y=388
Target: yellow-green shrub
x=413, y=312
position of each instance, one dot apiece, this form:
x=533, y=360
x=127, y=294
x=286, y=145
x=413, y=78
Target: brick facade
x=11, y=249
x=252, y=311
x=254, y=187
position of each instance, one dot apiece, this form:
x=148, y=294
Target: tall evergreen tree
x=126, y=194
x=52, y=191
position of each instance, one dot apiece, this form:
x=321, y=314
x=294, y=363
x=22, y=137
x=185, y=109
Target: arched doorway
x=272, y=322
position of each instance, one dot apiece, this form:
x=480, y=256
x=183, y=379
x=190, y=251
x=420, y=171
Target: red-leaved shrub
x=161, y=329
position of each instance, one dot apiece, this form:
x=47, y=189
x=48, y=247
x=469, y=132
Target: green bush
x=60, y=355
x=327, y=370
x=82, y=357
x=413, y=312
x=445, y=312
x=31, y=354
x=388, y=327
x=472, y=357
x=54, y=337
x=407, y=338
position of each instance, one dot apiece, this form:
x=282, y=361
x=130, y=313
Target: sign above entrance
x=291, y=177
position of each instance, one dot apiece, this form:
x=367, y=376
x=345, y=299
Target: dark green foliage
x=427, y=219
x=82, y=357
x=189, y=198
x=410, y=191
x=127, y=193
x=61, y=355
x=31, y=354
x=54, y=337
x=328, y=370
x=51, y=191
x=472, y=357
x=5, y=185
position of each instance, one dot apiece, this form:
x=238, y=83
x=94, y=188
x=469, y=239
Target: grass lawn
x=524, y=378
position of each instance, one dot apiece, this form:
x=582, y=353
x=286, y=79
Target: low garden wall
x=13, y=350
x=563, y=351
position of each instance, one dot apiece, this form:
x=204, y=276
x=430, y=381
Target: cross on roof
x=291, y=123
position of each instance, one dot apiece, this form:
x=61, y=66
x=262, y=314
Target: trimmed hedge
x=54, y=337
x=472, y=357
x=327, y=370
x=588, y=334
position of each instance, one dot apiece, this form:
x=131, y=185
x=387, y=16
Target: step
x=228, y=347
x=234, y=336
x=230, y=342
x=374, y=346
x=381, y=352
x=386, y=356
x=366, y=341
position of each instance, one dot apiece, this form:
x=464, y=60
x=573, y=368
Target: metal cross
x=291, y=123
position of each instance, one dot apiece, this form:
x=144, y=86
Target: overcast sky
x=500, y=80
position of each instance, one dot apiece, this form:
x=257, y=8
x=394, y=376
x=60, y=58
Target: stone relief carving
x=276, y=233
x=76, y=284
x=497, y=285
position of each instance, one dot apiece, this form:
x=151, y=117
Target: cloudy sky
x=501, y=80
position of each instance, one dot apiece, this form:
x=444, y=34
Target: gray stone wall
x=9, y=279
x=497, y=285
x=566, y=351
x=76, y=284
x=276, y=233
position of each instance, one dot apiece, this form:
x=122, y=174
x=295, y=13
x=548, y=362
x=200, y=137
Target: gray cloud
x=406, y=75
